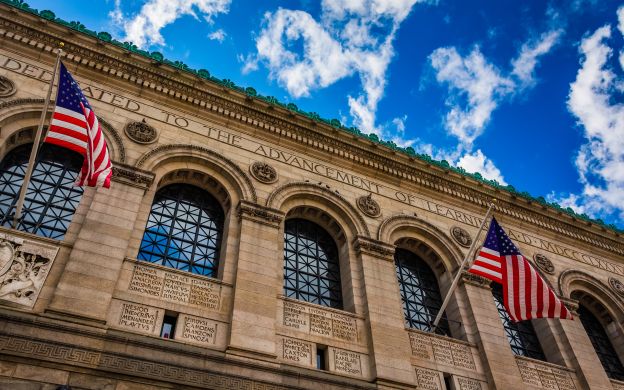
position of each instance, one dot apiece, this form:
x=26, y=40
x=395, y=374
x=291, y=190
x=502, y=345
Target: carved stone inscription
x=199, y=330
x=320, y=322
x=347, y=362
x=221, y=135
x=296, y=351
x=442, y=351
x=138, y=317
x=468, y=384
x=175, y=287
x=428, y=379
x=544, y=376
x=24, y=267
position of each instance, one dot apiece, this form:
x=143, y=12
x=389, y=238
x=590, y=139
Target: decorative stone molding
x=141, y=132
x=571, y=304
x=24, y=267
x=263, y=172
x=369, y=206
x=617, y=286
x=475, y=280
x=461, y=236
x=7, y=87
x=375, y=248
x=132, y=176
x=261, y=214
x=544, y=263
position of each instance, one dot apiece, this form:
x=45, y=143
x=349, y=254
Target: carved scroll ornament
x=263, y=172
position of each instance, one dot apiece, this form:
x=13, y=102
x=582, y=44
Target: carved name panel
x=24, y=267
x=317, y=321
x=139, y=318
x=442, y=351
x=347, y=362
x=428, y=379
x=468, y=384
x=297, y=351
x=197, y=330
x=175, y=287
x=544, y=376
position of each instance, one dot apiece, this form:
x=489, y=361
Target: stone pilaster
x=86, y=286
x=389, y=342
x=484, y=327
x=580, y=350
x=257, y=282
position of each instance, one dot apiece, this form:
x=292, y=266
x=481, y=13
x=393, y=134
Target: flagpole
x=33, y=154
x=466, y=261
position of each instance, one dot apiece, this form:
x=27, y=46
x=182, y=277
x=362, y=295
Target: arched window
x=521, y=335
x=420, y=292
x=184, y=230
x=311, y=269
x=600, y=340
x=51, y=199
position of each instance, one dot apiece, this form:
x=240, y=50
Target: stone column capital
x=375, y=248
x=571, y=304
x=132, y=176
x=260, y=214
x=475, y=280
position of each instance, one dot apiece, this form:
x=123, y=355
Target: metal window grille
x=600, y=340
x=311, y=268
x=51, y=199
x=521, y=335
x=183, y=230
x=420, y=292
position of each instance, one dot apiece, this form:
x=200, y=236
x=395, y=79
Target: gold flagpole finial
x=61, y=44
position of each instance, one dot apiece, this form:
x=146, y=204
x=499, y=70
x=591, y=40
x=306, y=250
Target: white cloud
x=477, y=162
x=476, y=87
x=351, y=37
x=218, y=35
x=600, y=161
x=144, y=28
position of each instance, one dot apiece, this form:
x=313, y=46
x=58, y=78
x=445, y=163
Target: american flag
x=74, y=126
x=525, y=294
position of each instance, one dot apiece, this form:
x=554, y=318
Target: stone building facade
x=246, y=244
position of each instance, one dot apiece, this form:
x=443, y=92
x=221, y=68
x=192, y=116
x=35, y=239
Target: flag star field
x=528, y=93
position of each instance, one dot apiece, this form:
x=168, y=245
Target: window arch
x=51, y=199
x=184, y=230
x=420, y=292
x=311, y=265
x=521, y=335
x=602, y=345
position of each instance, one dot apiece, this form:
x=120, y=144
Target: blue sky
x=529, y=93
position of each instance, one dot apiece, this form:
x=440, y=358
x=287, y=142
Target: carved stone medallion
x=263, y=172
x=544, y=263
x=461, y=236
x=368, y=206
x=617, y=286
x=7, y=87
x=141, y=132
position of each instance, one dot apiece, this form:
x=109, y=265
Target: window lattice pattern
x=600, y=340
x=311, y=269
x=183, y=230
x=51, y=199
x=521, y=335
x=420, y=292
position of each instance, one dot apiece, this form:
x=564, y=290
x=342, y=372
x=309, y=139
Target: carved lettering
x=442, y=351
x=199, y=330
x=296, y=351
x=544, y=376
x=347, y=362
x=428, y=379
x=138, y=317
x=295, y=316
x=468, y=384
x=344, y=327
x=420, y=344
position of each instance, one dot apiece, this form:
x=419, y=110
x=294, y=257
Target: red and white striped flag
x=75, y=126
x=525, y=294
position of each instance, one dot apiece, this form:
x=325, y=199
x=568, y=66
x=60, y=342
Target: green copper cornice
x=335, y=123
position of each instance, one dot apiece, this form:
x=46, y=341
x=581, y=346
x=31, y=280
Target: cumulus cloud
x=476, y=87
x=143, y=29
x=477, y=162
x=351, y=37
x=592, y=100
x=218, y=35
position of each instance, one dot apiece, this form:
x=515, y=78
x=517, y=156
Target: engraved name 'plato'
x=223, y=136
x=175, y=287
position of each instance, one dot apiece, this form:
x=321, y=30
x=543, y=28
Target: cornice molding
x=302, y=130
x=132, y=176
